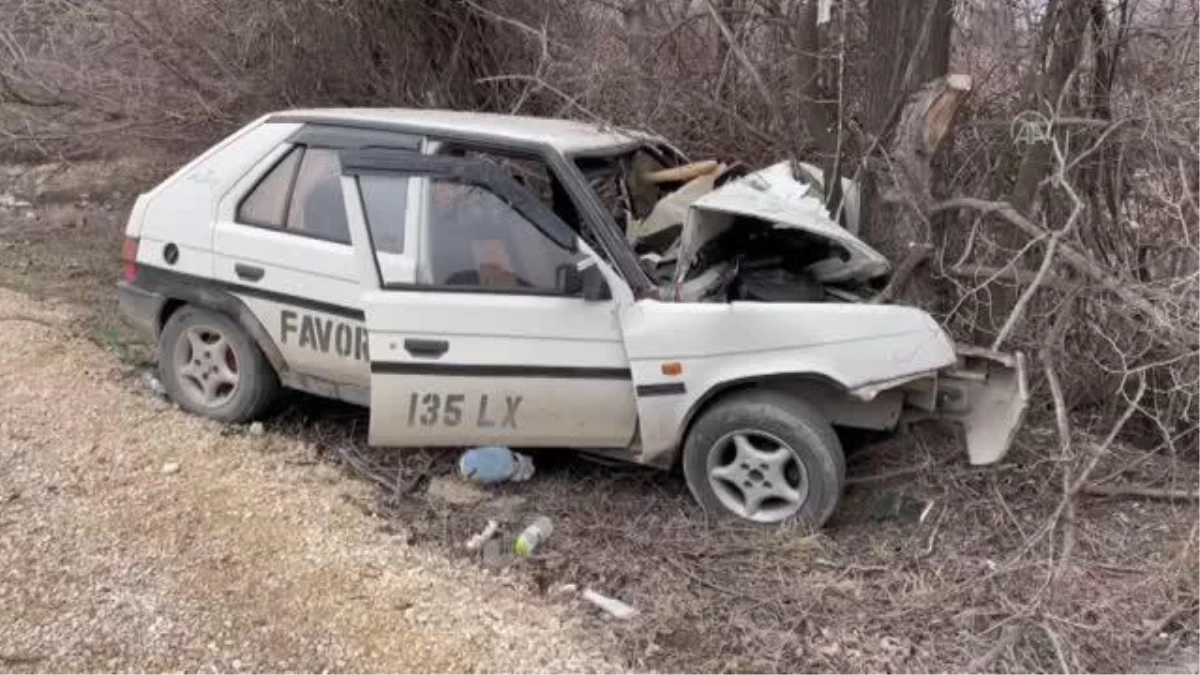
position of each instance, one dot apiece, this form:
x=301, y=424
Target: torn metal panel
x=988, y=393
x=851, y=195
x=773, y=195
x=985, y=391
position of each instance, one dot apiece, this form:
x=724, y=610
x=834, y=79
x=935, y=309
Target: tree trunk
x=1069, y=25
x=637, y=41
x=807, y=74
x=909, y=47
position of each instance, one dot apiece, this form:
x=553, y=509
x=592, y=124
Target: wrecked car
x=480, y=279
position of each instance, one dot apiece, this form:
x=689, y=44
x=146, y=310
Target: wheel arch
x=230, y=306
x=799, y=383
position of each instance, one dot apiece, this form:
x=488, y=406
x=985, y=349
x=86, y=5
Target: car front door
x=477, y=335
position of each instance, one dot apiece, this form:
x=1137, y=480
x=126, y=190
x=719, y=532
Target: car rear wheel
x=210, y=367
x=765, y=457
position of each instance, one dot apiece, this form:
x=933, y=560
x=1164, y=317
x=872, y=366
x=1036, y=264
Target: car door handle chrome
x=248, y=272
x=430, y=349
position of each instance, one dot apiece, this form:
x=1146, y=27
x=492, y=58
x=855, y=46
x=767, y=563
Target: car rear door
x=282, y=245
x=473, y=339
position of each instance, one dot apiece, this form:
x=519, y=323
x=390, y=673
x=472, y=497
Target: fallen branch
x=1047, y=258
x=1063, y=424
x=1137, y=491
x=917, y=254
x=1013, y=274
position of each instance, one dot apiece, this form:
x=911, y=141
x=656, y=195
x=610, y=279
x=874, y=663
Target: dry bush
x=78, y=77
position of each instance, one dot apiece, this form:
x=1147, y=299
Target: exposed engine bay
x=708, y=231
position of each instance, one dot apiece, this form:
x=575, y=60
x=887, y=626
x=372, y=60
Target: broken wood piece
x=943, y=107
x=612, y=606
x=482, y=538
x=1135, y=491
x=924, y=123
x=681, y=174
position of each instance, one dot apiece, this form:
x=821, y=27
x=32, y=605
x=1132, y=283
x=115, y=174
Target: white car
x=470, y=278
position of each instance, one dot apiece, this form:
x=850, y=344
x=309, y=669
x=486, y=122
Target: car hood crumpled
x=774, y=195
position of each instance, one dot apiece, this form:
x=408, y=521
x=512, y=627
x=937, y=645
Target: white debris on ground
x=7, y=201
x=241, y=560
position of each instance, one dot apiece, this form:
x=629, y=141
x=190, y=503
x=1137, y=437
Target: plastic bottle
x=495, y=465
x=537, y=532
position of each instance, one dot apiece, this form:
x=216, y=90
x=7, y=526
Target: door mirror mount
x=583, y=279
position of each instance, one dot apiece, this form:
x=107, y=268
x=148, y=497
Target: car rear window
x=317, y=208
x=267, y=202
x=302, y=194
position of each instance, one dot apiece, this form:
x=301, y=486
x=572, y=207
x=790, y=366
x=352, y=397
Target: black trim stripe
x=482, y=290
x=305, y=303
x=468, y=370
x=666, y=389
x=157, y=279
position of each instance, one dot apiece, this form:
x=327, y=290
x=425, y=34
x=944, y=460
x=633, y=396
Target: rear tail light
x=129, y=258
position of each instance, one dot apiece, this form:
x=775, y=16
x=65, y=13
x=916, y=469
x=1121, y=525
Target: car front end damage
x=767, y=236
x=985, y=391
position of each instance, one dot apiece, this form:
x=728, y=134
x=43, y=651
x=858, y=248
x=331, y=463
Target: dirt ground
x=136, y=537
x=302, y=549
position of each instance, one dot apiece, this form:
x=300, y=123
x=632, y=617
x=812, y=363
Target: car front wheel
x=765, y=456
x=210, y=367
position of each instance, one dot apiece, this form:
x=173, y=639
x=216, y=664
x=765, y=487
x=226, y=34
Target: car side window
x=317, y=207
x=474, y=238
x=266, y=204
x=385, y=201
x=302, y=193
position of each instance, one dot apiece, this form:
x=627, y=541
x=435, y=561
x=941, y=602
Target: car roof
x=567, y=136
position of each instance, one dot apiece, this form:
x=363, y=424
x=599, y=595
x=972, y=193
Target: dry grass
x=868, y=593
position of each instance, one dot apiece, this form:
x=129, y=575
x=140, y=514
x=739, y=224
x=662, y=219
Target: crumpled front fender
x=986, y=391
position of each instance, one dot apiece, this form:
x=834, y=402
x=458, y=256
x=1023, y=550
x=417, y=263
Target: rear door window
x=301, y=194
x=317, y=207
x=266, y=205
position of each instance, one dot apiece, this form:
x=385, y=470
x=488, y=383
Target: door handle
x=430, y=349
x=248, y=272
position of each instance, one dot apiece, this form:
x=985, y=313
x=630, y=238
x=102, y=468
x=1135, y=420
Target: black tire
x=775, y=416
x=257, y=387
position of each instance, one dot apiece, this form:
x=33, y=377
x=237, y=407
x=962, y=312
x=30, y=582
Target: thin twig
x=716, y=587
x=1138, y=491
x=1063, y=424
x=25, y=318
x=1008, y=636
x=748, y=65
x=904, y=471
